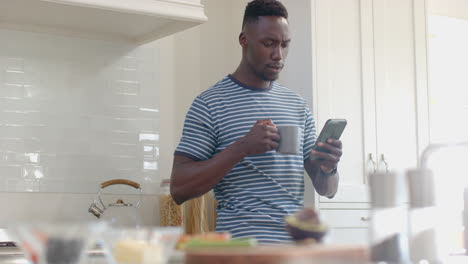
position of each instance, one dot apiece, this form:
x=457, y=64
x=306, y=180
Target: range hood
x=136, y=21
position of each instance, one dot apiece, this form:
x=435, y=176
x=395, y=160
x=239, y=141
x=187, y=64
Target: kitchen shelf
x=135, y=21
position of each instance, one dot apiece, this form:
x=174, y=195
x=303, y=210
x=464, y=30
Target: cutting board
x=278, y=255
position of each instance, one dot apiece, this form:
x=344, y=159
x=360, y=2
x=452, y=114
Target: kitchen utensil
x=55, y=243
x=118, y=213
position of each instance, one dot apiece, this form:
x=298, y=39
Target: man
x=229, y=138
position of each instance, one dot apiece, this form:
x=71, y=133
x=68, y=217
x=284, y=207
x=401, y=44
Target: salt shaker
x=388, y=225
x=423, y=217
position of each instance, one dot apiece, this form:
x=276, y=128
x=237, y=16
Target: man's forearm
x=191, y=178
x=325, y=184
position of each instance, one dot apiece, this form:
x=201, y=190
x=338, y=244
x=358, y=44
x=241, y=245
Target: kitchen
x=342, y=58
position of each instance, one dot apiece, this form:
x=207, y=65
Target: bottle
x=388, y=225
x=370, y=166
x=170, y=213
x=423, y=214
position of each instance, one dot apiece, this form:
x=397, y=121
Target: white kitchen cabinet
x=134, y=21
x=369, y=68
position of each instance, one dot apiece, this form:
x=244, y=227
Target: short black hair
x=257, y=8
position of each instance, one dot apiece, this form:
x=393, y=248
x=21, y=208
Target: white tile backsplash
x=75, y=113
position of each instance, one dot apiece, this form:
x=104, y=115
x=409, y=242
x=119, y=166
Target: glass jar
x=170, y=213
x=197, y=220
x=387, y=230
x=424, y=221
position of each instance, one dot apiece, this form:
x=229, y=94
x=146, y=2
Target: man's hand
x=263, y=137
x=328, y=161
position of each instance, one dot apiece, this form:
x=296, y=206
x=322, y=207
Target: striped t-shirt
x=256, y=195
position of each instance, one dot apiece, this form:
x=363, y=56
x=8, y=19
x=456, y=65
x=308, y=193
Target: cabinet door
x=342, y=62
x=395, y=80
x=348, y=226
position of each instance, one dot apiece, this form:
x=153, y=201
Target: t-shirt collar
x=250, y=87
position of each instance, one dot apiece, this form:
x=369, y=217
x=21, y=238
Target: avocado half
x=305, y=225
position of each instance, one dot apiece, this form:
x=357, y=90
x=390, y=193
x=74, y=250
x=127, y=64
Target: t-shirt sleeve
x=310, y=133
x=198, y=140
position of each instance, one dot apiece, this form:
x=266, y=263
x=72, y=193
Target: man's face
x=266, y=46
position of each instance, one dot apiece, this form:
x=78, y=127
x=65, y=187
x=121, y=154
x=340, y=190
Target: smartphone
x=333, y=128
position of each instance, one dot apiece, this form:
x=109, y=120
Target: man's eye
x=285, y=45
x=268, y=43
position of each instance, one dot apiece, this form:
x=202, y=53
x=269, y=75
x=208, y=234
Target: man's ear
x=243, y=39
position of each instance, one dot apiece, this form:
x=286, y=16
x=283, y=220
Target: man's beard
x=266, y=77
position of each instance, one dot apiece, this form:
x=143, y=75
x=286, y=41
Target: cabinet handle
x=384, y=163
x=371, y=166
x=365, y=218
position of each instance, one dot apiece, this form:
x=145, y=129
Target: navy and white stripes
x=261, y=189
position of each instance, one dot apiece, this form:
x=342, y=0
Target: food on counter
x=61, y=250
x=132, y=251
x=196, y=216
x=171, y=213
x=306, y=224
x=233, y=243
x=203, y=237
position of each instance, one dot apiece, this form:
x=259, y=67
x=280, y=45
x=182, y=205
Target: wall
x=192, y=61
x=74, y=113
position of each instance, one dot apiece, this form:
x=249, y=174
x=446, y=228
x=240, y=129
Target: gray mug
x=290, y=141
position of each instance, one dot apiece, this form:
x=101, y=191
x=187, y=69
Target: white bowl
x=143, y=245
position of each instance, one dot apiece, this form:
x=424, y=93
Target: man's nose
x=278, y=53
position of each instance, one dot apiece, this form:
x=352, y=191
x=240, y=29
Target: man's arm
x=322, y=171
x=191, y=178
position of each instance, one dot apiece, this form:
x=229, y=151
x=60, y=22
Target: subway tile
x=150, y=165
x=22, y=118
x=12, y=91
x=125, y=87
x=115, y=99
x=12, y=132
x=26, y=105
x=14, y=64
x=23, y=185
x=121, y=111
x=150, y=152
x=11, y=171
x=20, y=158
x=72, y=118
x=14, y=77
x=33, y=172
x=128, y=75
x=13, y=145
x=32, y=145
x=123, y=149
x=148, y=125
x=56, y=186
x=125, y=124
x=129, y=62
x=123, y=137
x=72, y=147
x=148, y=102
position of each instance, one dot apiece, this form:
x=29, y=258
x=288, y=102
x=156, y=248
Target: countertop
x=13, y=255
